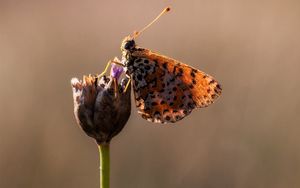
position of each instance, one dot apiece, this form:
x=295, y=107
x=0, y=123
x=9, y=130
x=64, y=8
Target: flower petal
x=116, y=71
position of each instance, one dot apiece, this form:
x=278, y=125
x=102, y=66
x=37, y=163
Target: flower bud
x=101, y=106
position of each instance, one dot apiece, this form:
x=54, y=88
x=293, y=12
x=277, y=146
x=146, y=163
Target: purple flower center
x=116, y=71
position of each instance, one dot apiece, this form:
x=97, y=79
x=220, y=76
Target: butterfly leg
x=127, y=85
x=105, y=70
x=116, y=87
x=115, y=61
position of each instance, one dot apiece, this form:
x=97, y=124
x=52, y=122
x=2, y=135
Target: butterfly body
x=165, y=89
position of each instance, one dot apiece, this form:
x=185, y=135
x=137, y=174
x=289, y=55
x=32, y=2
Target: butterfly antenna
x=137, y=33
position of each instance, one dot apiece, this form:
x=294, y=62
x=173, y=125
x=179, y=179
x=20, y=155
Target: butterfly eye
x=129, y=45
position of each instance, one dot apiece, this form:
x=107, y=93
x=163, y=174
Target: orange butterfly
x=165, y=89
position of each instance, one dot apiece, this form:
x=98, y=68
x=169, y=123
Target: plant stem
x=104, y=165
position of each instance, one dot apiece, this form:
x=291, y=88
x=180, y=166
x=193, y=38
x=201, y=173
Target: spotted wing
x=167, y=90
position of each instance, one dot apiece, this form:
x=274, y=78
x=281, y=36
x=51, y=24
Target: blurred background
x=248, y=138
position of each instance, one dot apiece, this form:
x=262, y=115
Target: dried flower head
x=101, y=106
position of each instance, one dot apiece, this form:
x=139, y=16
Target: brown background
x=249, y=138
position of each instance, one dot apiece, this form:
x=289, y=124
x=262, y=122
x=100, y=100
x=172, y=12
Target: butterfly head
x=128, y=44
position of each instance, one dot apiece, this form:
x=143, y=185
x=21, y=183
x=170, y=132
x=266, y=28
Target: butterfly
x=165, y=90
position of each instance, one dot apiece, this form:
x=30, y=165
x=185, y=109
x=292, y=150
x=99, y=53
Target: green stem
x=104, y=165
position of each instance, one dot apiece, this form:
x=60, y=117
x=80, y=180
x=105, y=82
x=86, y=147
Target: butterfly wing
x=167, y=90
